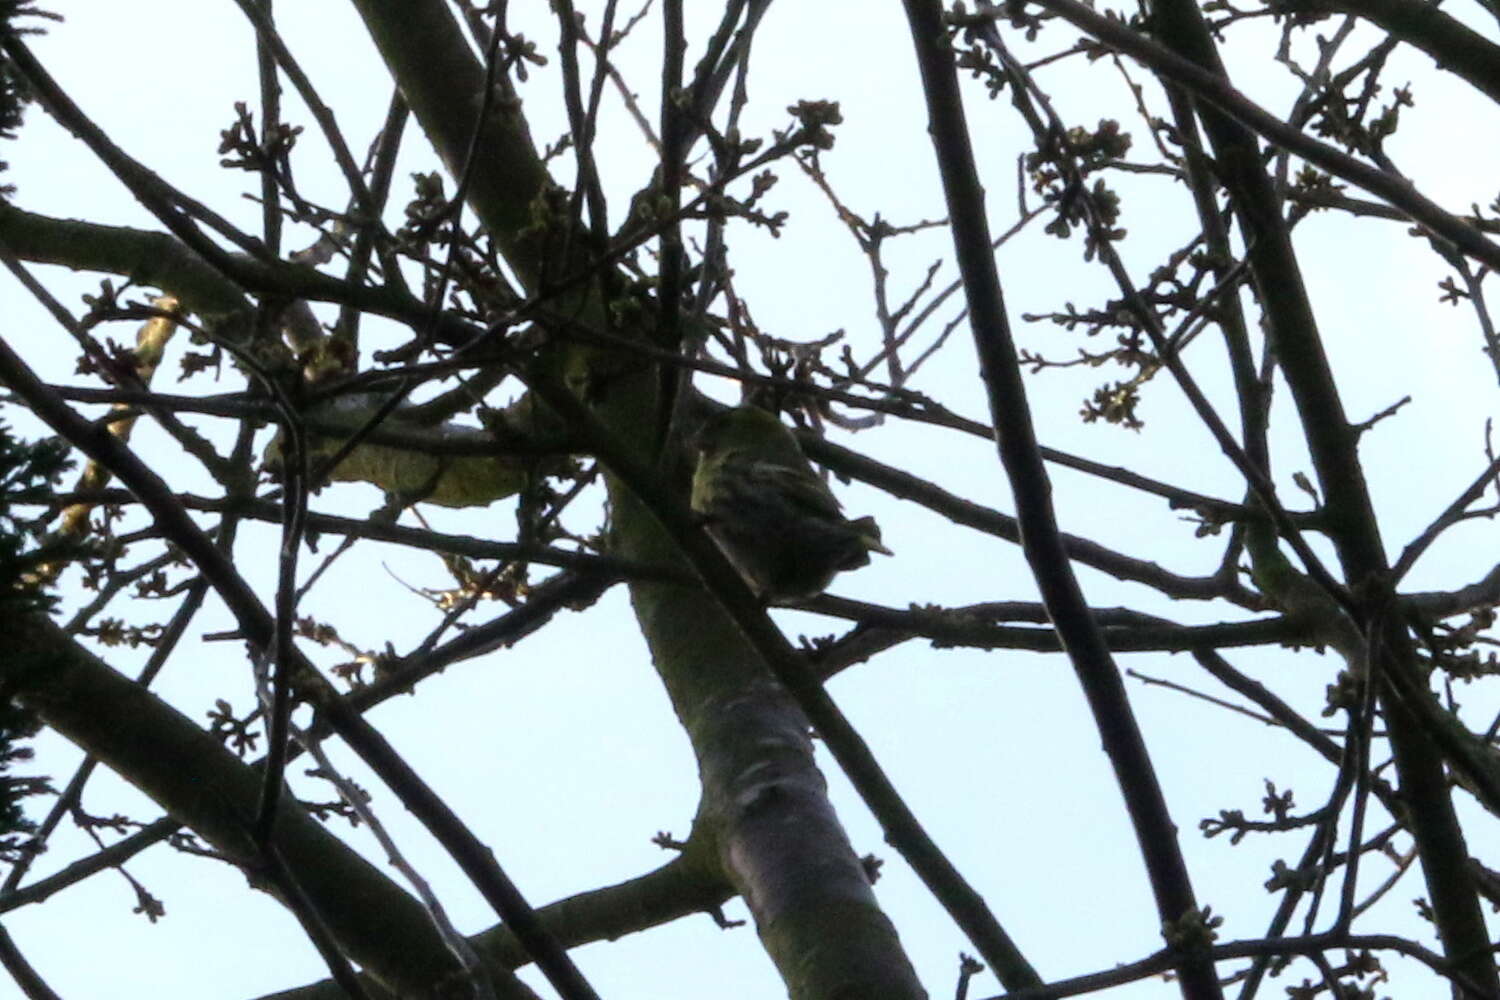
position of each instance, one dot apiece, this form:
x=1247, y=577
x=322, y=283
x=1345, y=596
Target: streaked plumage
x=772, y=515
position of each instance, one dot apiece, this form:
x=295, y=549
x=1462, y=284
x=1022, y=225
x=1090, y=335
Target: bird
x=771, y=514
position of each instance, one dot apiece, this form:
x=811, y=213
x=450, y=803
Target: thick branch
x=443, y=84
x=258, y=627
x=986, y=519
x=1217, y=91
x=1040, y=538
x=154, y=259
x=1333, y=445
x=192, y=776
x=1454, y=46
x=681, y=888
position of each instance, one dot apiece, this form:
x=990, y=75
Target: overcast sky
x=563, y=753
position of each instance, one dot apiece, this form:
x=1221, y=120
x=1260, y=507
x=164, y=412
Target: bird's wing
x=798, y=485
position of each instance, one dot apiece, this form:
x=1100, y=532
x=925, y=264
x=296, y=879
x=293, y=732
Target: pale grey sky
x=563, y=753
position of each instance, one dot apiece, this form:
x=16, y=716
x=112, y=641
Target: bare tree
x=534, y=330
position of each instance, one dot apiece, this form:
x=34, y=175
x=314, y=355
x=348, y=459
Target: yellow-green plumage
x=771, y=514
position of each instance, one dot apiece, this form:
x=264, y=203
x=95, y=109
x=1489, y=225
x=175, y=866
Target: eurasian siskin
x=770, y=512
